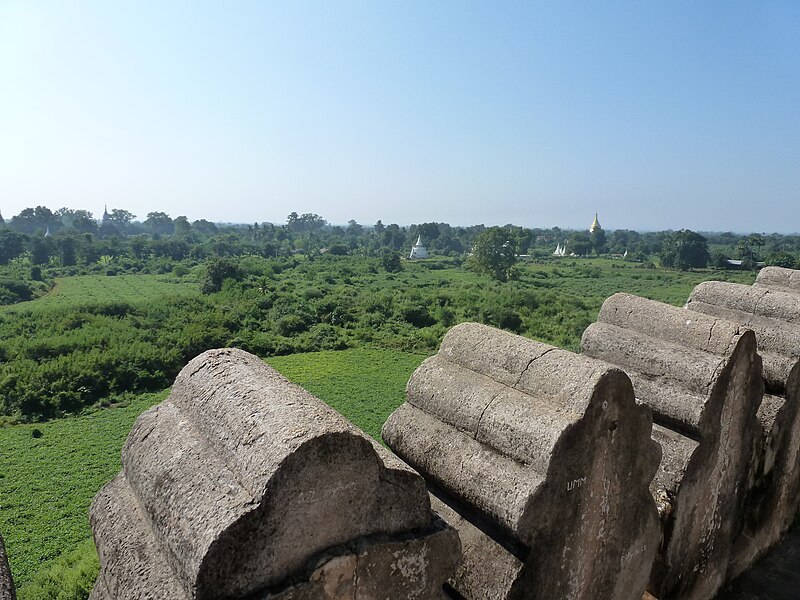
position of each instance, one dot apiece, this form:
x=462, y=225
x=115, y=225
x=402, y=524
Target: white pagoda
x=560, y=250
x=418, y=250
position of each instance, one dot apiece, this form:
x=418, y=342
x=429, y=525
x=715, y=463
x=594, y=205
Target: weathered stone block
x=779, y=279
x=6, y=582
x=774, y=487
x=241, y=482
x=702, y=378
x=541, y=459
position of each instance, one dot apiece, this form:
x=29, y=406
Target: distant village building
x=595, y=224
x=418, y=251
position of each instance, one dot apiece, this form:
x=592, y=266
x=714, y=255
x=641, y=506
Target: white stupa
x=418, y=250
x=560, y=250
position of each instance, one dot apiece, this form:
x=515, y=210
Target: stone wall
x=541, y=459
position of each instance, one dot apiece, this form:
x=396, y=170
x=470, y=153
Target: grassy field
x=89, y=290
x=48, y=482
x=365, y=385
x=49, y=472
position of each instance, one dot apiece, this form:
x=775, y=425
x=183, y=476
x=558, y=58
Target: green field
x=89, y=290
x=48, y=482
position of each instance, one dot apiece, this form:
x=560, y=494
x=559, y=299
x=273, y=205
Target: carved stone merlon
x=779, y=279
x=701, y=376
x=242, y=484
x=541, y=459
x=6, y=582
x=773, y=313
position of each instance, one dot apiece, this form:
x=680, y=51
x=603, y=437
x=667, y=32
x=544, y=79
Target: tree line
x=68, y=239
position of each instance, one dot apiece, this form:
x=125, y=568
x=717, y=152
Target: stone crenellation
x=701, y=377
x=542, y=459
x=774, y=315
x=242, y=484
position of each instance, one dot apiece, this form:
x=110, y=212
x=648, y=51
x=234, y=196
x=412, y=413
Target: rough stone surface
x=702, y=378
x=6, y=582
x=240, y=480
x=779, y=278
x=774, y=316
x=543, y=461
x=774, y=485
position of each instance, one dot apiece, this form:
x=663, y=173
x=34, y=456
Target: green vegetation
x=493, y=254
x=364, y=385
x=92, y=290
x=49, y=472
x=97, y=336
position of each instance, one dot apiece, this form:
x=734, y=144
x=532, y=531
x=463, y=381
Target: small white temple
x=418, y=250
x=560, y=250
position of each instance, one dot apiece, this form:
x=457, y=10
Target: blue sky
x=655, y=114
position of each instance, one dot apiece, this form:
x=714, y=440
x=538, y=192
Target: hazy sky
x=655, y=114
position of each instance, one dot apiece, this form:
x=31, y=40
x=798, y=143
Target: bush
x=417, y=315
x=217, y=271
x=781, y=259
x=69, y=577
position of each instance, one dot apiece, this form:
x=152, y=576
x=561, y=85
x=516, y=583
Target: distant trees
x=33, y=220
x=305, y=223
x=684, y=250
x=782, y=259
x=493, y=254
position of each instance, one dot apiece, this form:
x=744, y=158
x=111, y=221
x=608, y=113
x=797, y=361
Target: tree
x=12, y=244
x=68, y=249
x=34, y=220
x=598, y=240
x=354, y=229
x=159, y=223
x=217, y=271
x=580, y=243
x=121, y=219
x=781, y=259
x=493, y=253
x=684, y=250
x=41, y=250
x=182, y=227
x=390, y=259
x=81, y=221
